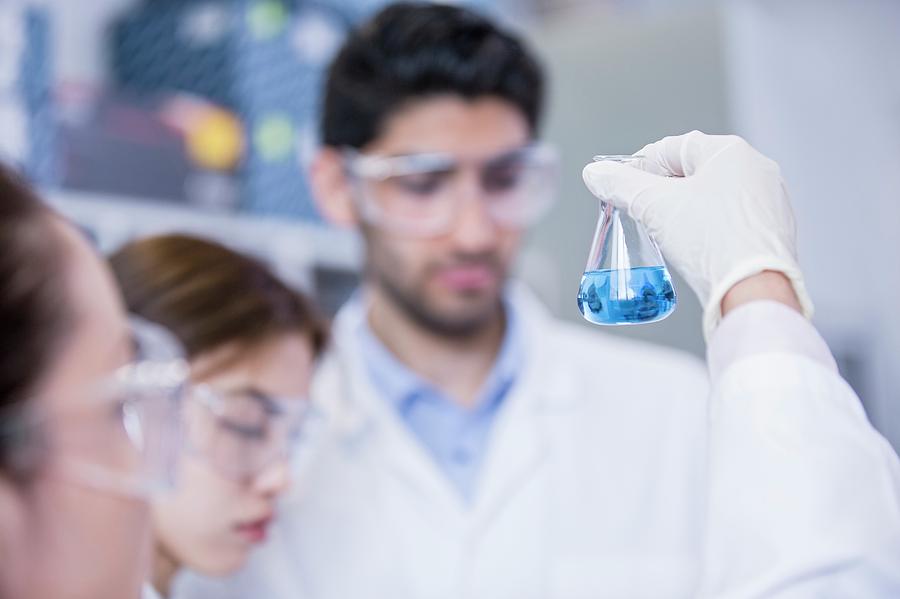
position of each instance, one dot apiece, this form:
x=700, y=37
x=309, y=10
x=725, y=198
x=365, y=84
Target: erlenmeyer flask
x=625, y=280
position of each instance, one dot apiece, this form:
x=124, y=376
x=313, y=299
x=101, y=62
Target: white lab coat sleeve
x=804, y=495
x=764, y=327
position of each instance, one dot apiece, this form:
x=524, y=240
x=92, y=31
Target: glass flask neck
x=620, y=242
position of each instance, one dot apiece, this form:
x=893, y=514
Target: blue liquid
x=647, y=295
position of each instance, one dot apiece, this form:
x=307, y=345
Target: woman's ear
x=332, y=190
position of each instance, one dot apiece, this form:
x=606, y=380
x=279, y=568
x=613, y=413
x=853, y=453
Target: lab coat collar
x=549, y=390
x=400, y=386
x=365, y=423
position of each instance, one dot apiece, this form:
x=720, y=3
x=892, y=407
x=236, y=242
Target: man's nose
x=473, y=228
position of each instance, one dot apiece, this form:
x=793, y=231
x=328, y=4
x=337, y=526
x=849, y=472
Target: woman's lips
x=256, y=531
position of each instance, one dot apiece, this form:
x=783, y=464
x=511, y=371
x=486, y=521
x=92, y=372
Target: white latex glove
x=717, y=208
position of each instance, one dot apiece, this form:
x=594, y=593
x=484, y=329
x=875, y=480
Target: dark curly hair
x=410, y=51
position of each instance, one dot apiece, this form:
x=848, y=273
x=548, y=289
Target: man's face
x=450, y=283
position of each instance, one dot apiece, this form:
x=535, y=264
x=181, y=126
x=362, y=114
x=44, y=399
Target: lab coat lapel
x=521, y=441
x=374, y=428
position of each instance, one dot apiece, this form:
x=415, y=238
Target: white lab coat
x=149, y=592
x=604, y=477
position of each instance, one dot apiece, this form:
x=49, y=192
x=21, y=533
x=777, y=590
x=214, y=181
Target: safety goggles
x=421, y=194
x=240, y=433
x=122, y=435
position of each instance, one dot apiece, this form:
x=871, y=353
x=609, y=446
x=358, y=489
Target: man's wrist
x=767, y=285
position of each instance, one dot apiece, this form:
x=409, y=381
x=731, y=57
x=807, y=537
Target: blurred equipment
x=26, y=110
x=214, y=136
x=259, y=62
x=177, y=148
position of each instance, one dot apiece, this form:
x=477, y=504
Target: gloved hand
x=717, y=208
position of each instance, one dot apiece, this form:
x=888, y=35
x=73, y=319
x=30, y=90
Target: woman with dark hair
x=84, y=429
x=251, y=342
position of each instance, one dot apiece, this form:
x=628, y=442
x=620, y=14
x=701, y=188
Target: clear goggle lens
x=241, y=433
x=420, y=194
x=124, y=436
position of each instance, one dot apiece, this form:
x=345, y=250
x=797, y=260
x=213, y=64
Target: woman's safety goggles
x=242, y=432
x=122, y=435
x=421, y=194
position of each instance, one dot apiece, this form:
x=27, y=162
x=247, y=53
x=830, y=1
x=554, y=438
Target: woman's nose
x=275, y=478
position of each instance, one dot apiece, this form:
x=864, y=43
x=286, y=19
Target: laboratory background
x=141, y=116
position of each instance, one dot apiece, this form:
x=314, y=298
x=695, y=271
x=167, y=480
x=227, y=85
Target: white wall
x=816, y=85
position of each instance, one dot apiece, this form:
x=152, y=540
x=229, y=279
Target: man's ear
x=332, y=190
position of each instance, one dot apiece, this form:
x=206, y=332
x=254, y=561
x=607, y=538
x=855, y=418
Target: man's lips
x=466, y=277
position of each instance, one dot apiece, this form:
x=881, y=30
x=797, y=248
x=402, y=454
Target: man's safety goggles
x=421, y=194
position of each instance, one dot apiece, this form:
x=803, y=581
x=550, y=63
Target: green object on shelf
x=267, y=19
x=274, y=137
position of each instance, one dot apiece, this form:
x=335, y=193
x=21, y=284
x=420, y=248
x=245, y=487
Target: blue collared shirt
x=455, y=436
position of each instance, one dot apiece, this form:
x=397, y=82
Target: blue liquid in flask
x=631, y=296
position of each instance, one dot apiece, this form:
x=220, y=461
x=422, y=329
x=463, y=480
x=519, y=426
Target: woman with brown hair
x=83, y=426
x=251, y=342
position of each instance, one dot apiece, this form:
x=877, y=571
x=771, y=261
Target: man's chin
x=457, y=326
x=466, y=314
x=450, y=313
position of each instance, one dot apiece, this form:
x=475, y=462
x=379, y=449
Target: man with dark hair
x=418, y=93
x=477, y=447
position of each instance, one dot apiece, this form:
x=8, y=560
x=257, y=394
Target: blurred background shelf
x=320, y=259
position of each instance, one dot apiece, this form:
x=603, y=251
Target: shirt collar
x=399, y=384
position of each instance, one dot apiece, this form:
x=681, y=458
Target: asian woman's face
x=59, y=536
x=225, y=498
